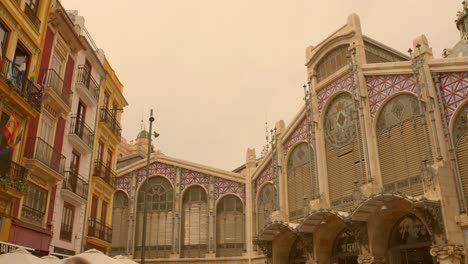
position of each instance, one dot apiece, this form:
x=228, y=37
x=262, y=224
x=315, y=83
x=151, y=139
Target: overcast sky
x=215, y=70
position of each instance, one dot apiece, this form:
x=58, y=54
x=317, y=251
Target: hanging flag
x=11, y=130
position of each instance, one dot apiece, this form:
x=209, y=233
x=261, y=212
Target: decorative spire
x=266, y=147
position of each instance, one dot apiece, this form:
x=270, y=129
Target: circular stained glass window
x=339, y=127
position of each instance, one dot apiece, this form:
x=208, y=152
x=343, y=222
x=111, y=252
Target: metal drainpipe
x=453, y=157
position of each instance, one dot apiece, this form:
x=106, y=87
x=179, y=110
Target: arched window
x=297, y=253
x=402, y=145
x=158, y=195
x=345, y=249
x=120, y=224
x=345, y=160
x=332, y=62
x=195, y=223
x=301, y=180
x=409, y=242
x=230, y=230
x=265, y=205
x=460, y=139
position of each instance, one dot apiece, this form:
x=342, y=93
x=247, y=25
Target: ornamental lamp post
x=145, y=209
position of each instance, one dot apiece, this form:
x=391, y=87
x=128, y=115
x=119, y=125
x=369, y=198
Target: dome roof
x=143, y=134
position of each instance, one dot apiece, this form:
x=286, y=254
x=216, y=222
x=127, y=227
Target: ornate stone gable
x=343, y=83
x=382, y=86
x=124, y=183
x=223, y=186
x=299, y=134
x=265, y=175
x=157, y=168
x=454, y=89
x=189, y=177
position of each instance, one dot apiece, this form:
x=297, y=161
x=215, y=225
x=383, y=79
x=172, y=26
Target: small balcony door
x=80, y=119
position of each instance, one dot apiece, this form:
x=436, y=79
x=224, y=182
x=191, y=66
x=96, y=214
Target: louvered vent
x=158, y=195
x=230, y=230
x=460, y=138
x=120, y=224
x=195, y=223
x=301, y=180
x=402, y=146
x=344, y=158
x=265, y=206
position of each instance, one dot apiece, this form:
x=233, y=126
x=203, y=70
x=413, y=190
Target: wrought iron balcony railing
x=12, y=174
x=83, y=131
x=66, y=232
x=37, y=148
x=75, y=184
x=99, y=230
x=108, y=117
x=32, y=15
x=32, y=215
x=104, y=172
x=84, y=77
x=17, y=80
x=56, y=83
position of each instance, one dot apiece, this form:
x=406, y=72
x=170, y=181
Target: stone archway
x=383, y=212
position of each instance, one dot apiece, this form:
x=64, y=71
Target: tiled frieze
x=157, y=168
x=124, y=183
x=223, y=186
x=299, y=134
x=382, y=86
x=189, y=177
x=265, y=175
x=454, y=89
x=344, y=83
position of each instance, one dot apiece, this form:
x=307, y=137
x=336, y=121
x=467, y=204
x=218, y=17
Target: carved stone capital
x=365, y=259
x=448, y=252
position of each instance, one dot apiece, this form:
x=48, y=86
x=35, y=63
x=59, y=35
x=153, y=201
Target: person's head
x=76, y=260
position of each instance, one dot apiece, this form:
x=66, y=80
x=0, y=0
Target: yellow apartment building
x=22, y=31
x=107, y=138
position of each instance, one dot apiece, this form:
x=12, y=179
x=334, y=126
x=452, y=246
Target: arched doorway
x=345, y=248
x=297, y=253
x=120, y=224
x=409, y=242
x=230, y=227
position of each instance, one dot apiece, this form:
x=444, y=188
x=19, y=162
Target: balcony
x=81, y=136
x=66, y=232
x=12, y=174
x=108, y=118
x=43, y=159
x=86, y=86
x=28, y=92
x=104, y=172
x=99, y=230
x=56, y=89
x=32, y=15
x=74, y=189
x=31, y=215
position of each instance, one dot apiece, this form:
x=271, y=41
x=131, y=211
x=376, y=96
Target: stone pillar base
x=448, y=254
x=365, y=259
x=174, y=256
x=210, y=255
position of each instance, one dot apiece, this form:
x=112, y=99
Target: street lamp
x=145, y=210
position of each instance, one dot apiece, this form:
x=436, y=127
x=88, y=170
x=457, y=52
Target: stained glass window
x=332, y=62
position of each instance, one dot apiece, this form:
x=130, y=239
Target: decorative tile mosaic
x=343, y=83
x=124, y=183
x=265, y=175
x=223, y=186
x=189, y=177
x=168, y=171
x=300, y=133
x=382, y=86
x=454, y=89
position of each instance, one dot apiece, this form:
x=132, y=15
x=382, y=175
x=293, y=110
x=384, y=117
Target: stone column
x=211, y=223
x=177, y=228
x=448, y=254
x=248, y=212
